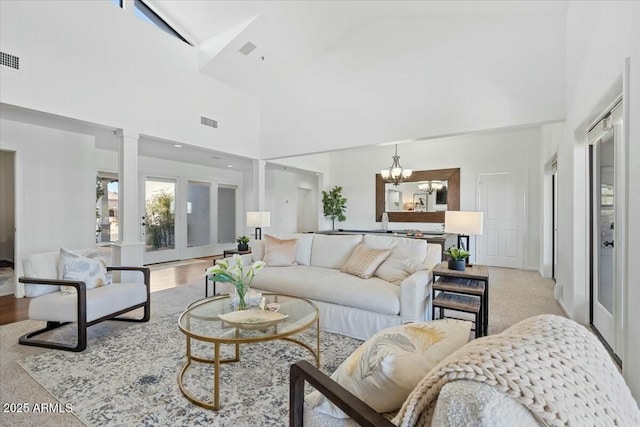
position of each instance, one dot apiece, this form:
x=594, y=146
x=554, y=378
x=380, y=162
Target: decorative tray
x=252, y=318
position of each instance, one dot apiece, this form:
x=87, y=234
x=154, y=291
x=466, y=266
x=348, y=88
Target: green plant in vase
x=239, y=275
x=334, y=205
x=243, y=243
x=457, y=258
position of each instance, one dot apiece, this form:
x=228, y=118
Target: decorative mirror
x=424, y=197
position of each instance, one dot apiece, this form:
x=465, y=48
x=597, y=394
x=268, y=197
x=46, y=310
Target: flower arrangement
x=239, y=275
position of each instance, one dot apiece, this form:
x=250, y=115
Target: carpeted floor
x=515, y=295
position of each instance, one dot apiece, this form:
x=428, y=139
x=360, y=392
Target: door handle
x=607, y=243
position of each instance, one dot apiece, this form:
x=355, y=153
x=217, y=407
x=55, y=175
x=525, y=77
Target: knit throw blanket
x=552, y=365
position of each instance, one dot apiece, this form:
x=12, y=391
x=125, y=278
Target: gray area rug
x=132, y=370
x=130, y=378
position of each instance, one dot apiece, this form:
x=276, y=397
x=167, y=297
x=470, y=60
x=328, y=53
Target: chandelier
x=430, y=186
x=395, y=174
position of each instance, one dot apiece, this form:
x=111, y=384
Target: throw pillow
x=384, y=370
x=397, y=267
x=279, y=253
x=90, y=269
x=364, y=261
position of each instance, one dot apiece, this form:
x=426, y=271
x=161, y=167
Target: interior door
x=501, y=197
x=605, y=280
x=159, y=220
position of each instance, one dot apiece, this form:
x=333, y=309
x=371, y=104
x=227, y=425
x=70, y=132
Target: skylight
x=142, y=11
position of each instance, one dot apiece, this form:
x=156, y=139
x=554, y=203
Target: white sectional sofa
x=350, y=305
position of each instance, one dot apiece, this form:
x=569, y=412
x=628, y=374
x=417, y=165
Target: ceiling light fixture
x=229, y=166
x=177, y=145
x=396, y=174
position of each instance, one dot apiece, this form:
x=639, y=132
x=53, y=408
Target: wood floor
x=163, y=276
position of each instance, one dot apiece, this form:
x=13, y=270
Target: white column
x=129, y=250
x=261, y=184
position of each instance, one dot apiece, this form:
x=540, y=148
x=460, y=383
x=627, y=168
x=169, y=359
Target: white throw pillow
x=90, y=269
x=364, y=261
x=384, y=370
x=397, y=267
x=279, y=253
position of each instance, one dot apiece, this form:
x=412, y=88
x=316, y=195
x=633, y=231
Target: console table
x=445, y=240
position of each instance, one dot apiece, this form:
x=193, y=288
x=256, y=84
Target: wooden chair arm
x=359, y=411
x=53, y=282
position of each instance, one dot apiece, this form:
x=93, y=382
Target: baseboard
x=564, y=308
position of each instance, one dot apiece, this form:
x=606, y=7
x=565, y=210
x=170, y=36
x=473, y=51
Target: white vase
x=385, y=221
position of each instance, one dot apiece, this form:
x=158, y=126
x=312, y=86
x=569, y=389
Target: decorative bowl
x=252, y=318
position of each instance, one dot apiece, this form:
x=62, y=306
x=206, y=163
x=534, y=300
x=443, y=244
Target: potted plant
x=243, y=243
x=334, y=205
x=457, y=258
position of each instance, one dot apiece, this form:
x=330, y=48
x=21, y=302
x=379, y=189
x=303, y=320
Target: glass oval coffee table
x=201, y=321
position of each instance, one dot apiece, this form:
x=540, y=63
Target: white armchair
x=86, y=307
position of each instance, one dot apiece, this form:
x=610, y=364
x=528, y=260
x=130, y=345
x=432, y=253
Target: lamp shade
x=258, y=219
x=460, y=222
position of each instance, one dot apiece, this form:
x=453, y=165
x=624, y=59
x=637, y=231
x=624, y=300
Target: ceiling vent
x=247, y=48
x=208, y=122
x=9, y=60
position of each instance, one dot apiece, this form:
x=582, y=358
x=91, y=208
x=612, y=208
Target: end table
x=468, y=288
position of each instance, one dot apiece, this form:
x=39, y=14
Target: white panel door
x=501, y=197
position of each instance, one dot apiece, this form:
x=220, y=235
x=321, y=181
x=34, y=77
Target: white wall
x=395, y=79
x=516, y=150
x=55, y=188
x=282, y=198
x=600, y=35
x=93, y=61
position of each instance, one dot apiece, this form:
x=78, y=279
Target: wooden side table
x=466, y=291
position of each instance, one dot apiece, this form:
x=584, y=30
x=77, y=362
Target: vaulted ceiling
x=288, y=34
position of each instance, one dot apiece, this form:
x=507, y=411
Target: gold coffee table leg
x=216, y=361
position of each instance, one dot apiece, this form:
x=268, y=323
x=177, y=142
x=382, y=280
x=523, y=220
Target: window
x=117, y=3
x=145, y=13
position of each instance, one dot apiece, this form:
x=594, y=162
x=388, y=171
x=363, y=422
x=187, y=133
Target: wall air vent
x=247, y=48
x=208, y=122
x=9, y=60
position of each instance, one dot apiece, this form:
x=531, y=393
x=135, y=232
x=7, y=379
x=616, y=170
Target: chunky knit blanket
x=552, y=365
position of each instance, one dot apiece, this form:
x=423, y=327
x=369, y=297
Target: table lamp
x=463, y=224
x=258, y=219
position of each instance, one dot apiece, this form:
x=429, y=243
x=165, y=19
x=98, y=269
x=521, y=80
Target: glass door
x=199, y=220
x=159, y=220
x=226, y=214
x=605, y=265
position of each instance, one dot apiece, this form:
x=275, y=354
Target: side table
x=467, y=290
x=228, y=252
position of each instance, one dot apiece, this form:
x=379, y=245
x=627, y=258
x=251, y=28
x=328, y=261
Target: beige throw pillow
x=364, y=261
x=397, y=267
x=384, y=370
x=279, y=253
x=90, y=269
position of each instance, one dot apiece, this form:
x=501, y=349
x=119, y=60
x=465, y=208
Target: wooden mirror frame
x=453, y=196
